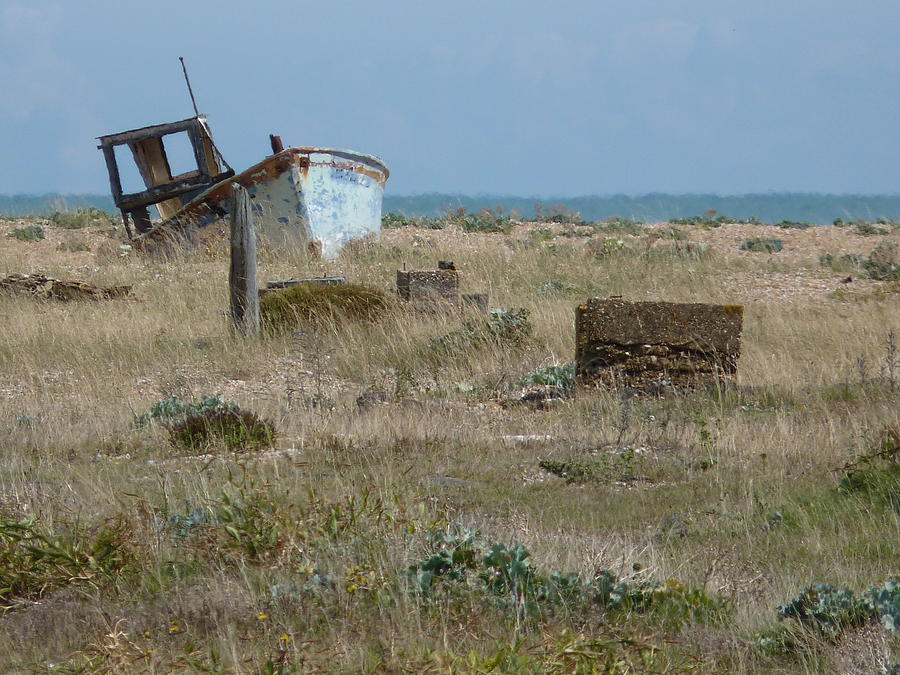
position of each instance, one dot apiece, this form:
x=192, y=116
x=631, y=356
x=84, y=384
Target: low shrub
x=306, y=304
x=845, y=262
x=869, y=229
x=396, y=220
x=762, y=245
x=27, y=233
x=556, y=213
x=238, y=430
x=883, y=263
x=172, y=411
x=75, y=220
x=487, y=221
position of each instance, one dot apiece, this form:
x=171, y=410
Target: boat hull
x=302, y=198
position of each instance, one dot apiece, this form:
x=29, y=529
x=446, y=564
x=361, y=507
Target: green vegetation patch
x=487, y=222
x=172, y=411
x=618, y=226
x=793, y=225
x=397, y=220
x=623, y=465
x=197, y=425
x=762, y=245
x=306, y=304
x=883, y=263
x=558, y=376
x=76, y=220
x=35, y=560
x=712, y=219
x=238, y=430
x=508, y=575
x=27, y=233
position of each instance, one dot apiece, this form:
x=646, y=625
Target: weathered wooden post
x=242, y=276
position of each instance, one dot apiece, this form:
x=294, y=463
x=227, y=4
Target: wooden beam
x=242, y=275
x=153, y=130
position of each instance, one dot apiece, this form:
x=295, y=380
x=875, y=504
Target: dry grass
x=741, y=498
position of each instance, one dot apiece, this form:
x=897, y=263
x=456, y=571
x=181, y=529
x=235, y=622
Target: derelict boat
x=313, y=198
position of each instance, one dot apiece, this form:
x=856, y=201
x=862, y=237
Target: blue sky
x=533, y=98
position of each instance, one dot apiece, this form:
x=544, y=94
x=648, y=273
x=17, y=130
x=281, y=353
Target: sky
x=529, y=98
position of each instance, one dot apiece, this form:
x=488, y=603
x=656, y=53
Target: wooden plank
x=242, y=275
x=115, y=183
x=157, y=194
x=153, y=165
x=153, y=130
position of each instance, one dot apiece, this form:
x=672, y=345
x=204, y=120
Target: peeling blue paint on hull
x=299, y=196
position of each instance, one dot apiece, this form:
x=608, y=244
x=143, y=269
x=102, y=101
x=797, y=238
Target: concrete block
x=428, y=286
x=648, y=345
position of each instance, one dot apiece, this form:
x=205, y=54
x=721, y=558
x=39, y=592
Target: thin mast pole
x=190, y=89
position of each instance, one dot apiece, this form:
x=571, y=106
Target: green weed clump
x=76, y=220
x=396, y=220
x=558, y=376
x=713, y=220
x=35, y=561
x=830, y=610
x=27, y=233
x=844, y=262
x=883, y=263
x=196, y=425
x=762, y=245
x=488, y=221
x=315, y=304
x=507, y=574
x=172, y=411
x=618, y=225
x=793, y=225
x=238, y=430
x=557, y=213
x=869, y=229
x=621, y=465
x=672, y=234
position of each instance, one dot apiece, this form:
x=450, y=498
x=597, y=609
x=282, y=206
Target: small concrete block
x=430, y=286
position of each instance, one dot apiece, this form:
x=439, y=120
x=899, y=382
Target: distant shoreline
x=820, y=209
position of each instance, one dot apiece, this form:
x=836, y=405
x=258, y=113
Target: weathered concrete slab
x=651, y=344
x=428, y=286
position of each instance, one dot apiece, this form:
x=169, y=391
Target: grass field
x=404, y=520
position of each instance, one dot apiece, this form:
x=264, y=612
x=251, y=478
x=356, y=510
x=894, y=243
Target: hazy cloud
x=32, y=71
